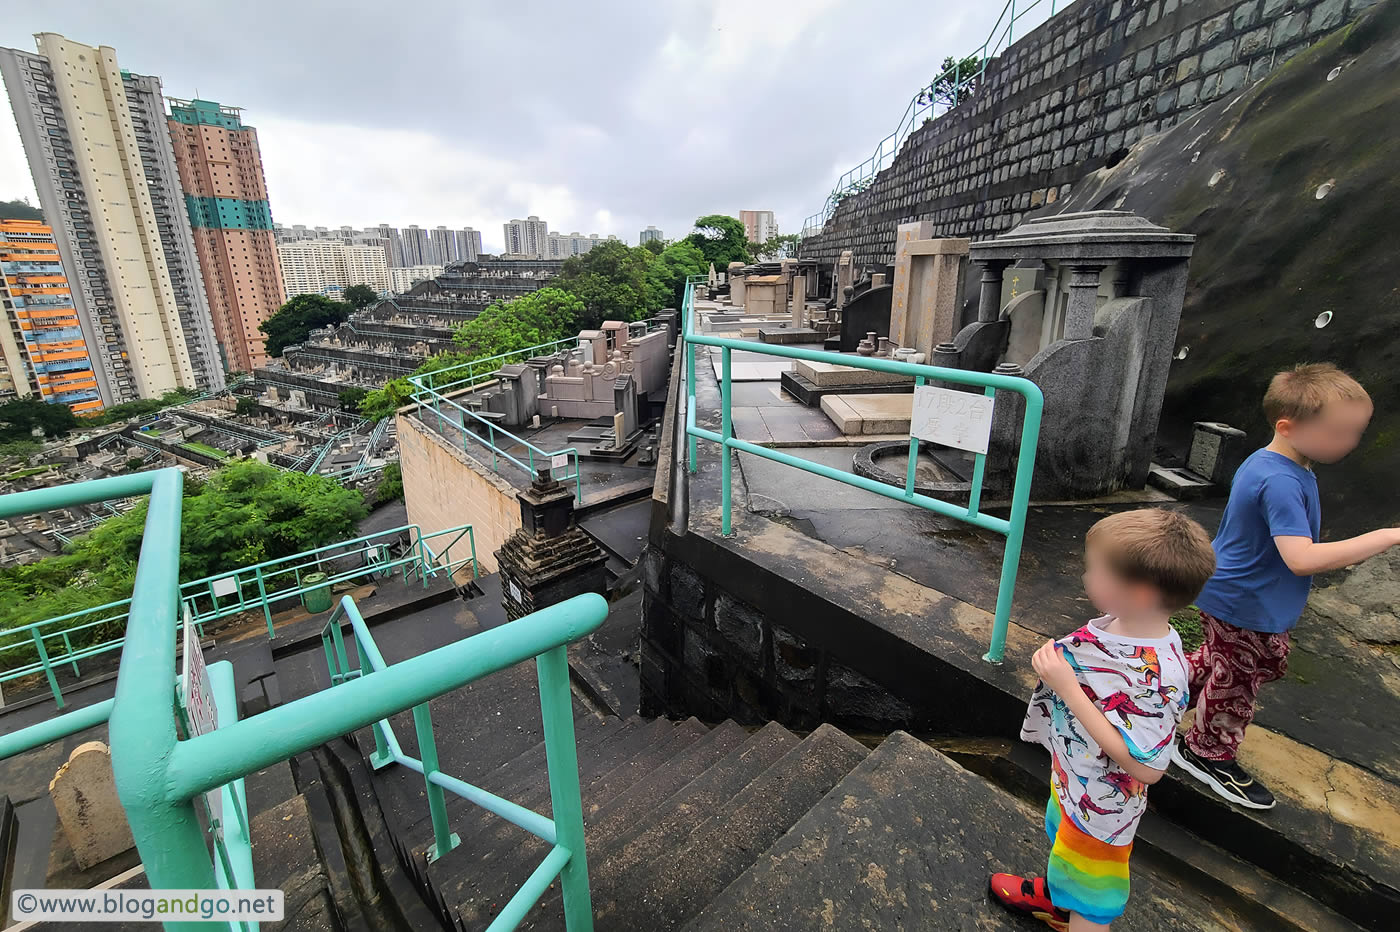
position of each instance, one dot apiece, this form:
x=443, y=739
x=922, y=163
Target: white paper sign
x=197, y=697
x=224, y=585
x=952, y=418
x=514, y=591
x=559, y=461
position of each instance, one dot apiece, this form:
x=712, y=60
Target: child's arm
x=1057, y=674
x=1306, y=557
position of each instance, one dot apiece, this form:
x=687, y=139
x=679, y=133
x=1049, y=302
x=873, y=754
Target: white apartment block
x=401, y=280
x=528, y=238
x=328, y=266
x=759, y=225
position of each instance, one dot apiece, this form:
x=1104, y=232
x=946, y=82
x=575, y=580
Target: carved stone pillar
x=989, y=300
x=549, y=559
x=1083, y=301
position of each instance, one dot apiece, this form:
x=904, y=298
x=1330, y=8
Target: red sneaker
x=1029, y=895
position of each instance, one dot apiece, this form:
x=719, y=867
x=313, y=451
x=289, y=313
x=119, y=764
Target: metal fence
x=946, y=91
x=1012, y=527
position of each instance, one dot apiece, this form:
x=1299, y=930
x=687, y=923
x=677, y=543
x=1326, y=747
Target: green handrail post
x=68, y=647
x=444, y=839
x=262, y=596
x=688, y=326
x=1011, y=24
x=1020, y=504
x=727, y=432
x=381, y=757
x=561, y=754
x=168, y=835
x=48, y=668
x=237, y=845
x=913, y=452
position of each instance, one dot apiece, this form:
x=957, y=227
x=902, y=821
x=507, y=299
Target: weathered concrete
x=85, y=794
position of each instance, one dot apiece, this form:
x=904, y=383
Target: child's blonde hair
x=1162, y=548
x=1301, y=393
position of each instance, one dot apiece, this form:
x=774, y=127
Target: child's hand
x=1054, y=671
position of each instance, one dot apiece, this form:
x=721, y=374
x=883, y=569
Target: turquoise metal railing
x=565, y=459
x=567, y=858
x=479, y=371
x=1013, y=527
x=946, y=90
x=245, y=589
x=159, y=776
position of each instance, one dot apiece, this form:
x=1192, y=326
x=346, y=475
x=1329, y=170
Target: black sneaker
x=1228, y=779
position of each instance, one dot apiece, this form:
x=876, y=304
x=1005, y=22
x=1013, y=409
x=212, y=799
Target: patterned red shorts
x=1226, y=673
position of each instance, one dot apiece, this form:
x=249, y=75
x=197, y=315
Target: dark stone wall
x=1066, y=100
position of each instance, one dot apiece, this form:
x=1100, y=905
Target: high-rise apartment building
x=402, y=280
x=42, y=348
x=100, y=153
x=528, y=237
x=759, y=225
x=417, y=249
x=469, y=245
x=648, y=235
x=442, y=246
x=564, y=245
x=329, y=266
x=226, y=198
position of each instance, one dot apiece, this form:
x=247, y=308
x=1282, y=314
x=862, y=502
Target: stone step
x=1229, y=850
x=675, y=886
x=869, y=414
x=286, y=859
x=478, y=875
x=646, y=837
x=603, y=821
x=908, y=840
x=516, y=780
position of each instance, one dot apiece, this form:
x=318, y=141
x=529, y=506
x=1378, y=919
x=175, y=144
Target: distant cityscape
x=158, y=258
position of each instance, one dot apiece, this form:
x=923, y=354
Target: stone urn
x=909, y=354
x=866, y=347
x=886, y=347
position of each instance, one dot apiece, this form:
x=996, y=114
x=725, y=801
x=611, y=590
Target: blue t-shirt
x=1253, y=588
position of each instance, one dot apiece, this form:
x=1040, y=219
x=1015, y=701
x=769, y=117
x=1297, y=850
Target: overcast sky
x=603, y=116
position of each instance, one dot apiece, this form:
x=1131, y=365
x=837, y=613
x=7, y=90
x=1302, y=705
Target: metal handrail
x=158, y=776
x=925, y=105
x=567, y=857
x=435, y=399
x=491, y=364
x=420, y=562
x=1013, y=528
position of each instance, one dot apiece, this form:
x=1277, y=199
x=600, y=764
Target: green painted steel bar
x=913, y=452
x=48, y=667
x=76, y=493
x=727, y=433
x=979, y=471
x=444, y=839
x=60, y=726
x=237, y=843
x=556, y=711
x=210, y=760
x=534, y=887
x=167, y=831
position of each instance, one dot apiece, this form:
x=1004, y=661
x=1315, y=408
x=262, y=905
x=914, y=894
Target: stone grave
x=809, y=382
x=861, y=415
x=928, y=279
x=84, y=793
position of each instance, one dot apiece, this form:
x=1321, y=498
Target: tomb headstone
x=84, y=793
x=845, y=276
x=928, y=278
x=736, y=284
x=1217, y=450
x=799, y=300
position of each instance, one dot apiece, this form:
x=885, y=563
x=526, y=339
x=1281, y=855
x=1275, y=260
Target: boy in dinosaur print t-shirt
x=1107, y=706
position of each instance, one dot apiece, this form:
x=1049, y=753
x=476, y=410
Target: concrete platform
x=811, y=394
x=828, y=375
x=869, y=414
x=788, y=335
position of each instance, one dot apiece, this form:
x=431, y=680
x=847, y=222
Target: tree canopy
x=294, y=321
x=20, y=210
x=246, y=406
x=20, y=418
x=776, y=247
x=246, y=513
x=612, y=281
x=358, y=296
x=351, y=397
x=539, y=317
x=721, y=240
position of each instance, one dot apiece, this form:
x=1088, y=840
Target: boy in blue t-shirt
x=1267, y=550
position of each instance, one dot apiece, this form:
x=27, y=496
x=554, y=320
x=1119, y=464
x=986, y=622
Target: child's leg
x=1078, y=923
x=1236, y=662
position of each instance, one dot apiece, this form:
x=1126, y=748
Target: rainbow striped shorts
x=1085, y=875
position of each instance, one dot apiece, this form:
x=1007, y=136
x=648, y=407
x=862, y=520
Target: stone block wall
x=1064, y=101
x=444, y=487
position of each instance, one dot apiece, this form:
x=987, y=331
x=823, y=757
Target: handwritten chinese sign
x=952, y=418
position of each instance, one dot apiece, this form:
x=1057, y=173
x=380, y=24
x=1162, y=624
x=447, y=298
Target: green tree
x=20, y=210
x=783, y=246
x=130, y=409
x=668, y=274
x=134, y=463
x=382, y=402
x=358, y=296
x=390, y=486
x=611, y=280
x=247, y=406
x=294, y=321
x=539, y=317
x=351, y=397
x=655, y=246
x=721, y=240
x=20, y=418
x=956, y=82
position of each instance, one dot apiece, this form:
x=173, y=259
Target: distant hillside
x=1245, y=176
x=19, y=210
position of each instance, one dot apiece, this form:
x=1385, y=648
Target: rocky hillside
x=1292, y=190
